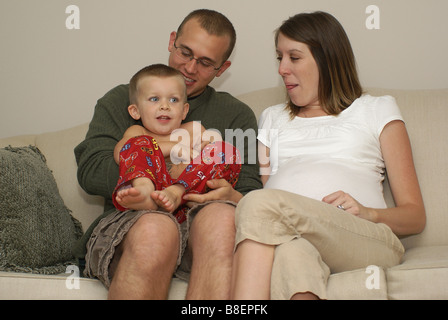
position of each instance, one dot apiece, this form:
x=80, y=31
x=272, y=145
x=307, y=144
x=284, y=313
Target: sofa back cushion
x=424, y=112
x=59, y=147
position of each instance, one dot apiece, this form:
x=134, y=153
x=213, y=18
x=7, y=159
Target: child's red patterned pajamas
x=142, y=157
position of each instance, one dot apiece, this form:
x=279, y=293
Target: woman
x=322, y=208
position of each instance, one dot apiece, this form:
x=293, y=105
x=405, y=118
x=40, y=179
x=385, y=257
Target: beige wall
x=51, y=77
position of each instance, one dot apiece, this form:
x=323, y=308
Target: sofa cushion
x=37, y=230
x=20, y=286
x=359, y=284
x=423, y=274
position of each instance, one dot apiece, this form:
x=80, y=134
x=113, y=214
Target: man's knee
x=214, y=224
x=152, y=234
x=215, y=215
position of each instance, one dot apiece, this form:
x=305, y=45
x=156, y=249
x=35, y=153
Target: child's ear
x=133, y=111
x=186, y=108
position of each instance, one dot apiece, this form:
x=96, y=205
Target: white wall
x=51, y=77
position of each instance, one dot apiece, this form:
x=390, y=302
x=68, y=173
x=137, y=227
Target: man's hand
x=221, y=190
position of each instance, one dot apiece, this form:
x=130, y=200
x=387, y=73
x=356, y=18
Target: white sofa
x=423, y=273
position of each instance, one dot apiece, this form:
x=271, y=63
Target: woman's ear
x=134, y=112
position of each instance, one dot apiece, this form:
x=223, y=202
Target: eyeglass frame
x=198, y=60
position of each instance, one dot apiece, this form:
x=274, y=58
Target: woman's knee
x=258, y=201
x=253, y=198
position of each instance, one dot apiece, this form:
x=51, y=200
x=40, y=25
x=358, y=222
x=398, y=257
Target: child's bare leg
x=137, y=197
x=169, y=198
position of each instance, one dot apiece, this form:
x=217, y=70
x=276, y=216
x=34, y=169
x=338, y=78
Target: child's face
x=160, y=104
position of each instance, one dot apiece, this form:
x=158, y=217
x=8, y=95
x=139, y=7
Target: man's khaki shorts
x=101, y=258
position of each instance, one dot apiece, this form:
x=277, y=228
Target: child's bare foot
x=137, y=197
x=170, y=198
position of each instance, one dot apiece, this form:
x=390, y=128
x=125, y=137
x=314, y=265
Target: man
x=135, y=253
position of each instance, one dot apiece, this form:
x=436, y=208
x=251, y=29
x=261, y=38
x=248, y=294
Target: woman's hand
x=347, y=203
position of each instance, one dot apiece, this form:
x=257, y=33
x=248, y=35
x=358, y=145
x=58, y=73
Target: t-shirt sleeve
x=264, y=126
x=386, y=110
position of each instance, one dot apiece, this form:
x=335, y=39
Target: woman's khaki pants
x=312, y=239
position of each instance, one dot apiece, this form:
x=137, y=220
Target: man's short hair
x=214, y=23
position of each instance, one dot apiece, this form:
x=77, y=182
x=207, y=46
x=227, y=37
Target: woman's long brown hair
x=339, y=84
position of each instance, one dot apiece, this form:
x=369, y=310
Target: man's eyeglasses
x=202, y=64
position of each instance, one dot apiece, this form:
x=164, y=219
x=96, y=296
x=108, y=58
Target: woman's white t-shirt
x=317, y=156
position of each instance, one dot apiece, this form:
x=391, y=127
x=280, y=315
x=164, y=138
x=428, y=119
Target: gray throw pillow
x=37, y=230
